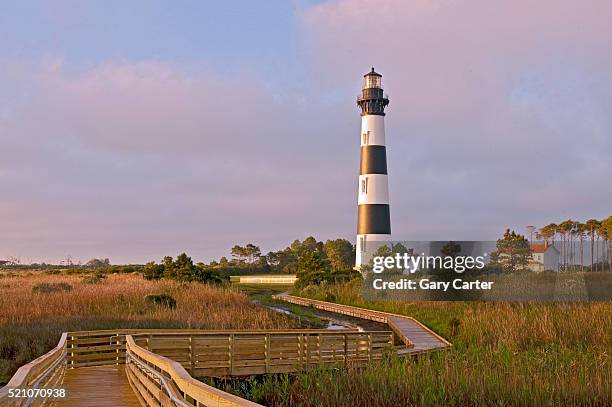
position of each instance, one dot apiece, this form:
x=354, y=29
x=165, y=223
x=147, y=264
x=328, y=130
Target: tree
x=451, y=249
x=208, y=275
x=223, y=262
x=591, y=226
x=580, y=231
x=340, y=253
x=312, y=268
x=153, y=271
x=548, y=233
x=564, y=230
x=252, y=252
x=606, y=233
x=512, y=252
x=98, y=263
x=602, y=234
x=168, y=267
x=286, y=260
x=184, y=269
x=238, y=253
x=307, y=245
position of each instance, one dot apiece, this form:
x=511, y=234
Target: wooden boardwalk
x=91, y=365
x=98, y=386
x=416, y=336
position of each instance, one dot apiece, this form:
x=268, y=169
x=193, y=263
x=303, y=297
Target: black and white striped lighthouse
x=373, y=222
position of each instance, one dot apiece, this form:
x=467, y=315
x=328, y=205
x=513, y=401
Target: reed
x=504, y=354
x=32, y=318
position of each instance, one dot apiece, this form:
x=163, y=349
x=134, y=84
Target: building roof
x=538, y=248
x=372, y=73
x=541, y=248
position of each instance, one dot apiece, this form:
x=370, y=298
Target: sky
x=134, y=130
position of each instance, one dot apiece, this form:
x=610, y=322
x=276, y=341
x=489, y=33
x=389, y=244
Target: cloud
x=498, y=110
x=499, y=117
x=135, y=160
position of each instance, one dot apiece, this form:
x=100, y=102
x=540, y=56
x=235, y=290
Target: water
x=333, y=324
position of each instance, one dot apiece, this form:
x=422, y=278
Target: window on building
x=366, y=138
x=364, y=185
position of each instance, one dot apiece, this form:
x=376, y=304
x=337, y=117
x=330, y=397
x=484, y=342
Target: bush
x=163, y=300
x=182, y=269
x=153, y=271
x=45, y=288
x=330, y=297
x=95, y=278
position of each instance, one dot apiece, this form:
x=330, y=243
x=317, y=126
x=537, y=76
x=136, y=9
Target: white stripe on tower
x=373, y=222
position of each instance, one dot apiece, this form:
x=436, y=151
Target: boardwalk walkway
x=162, y=363
x=416, y=336
x=98, y=386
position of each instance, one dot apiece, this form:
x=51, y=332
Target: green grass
x=262, y=293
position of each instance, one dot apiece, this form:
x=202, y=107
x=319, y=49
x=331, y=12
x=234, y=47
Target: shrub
x=330, y=297
x=163, y=300
x=153, y=271
x=95, y=278
x=45, y=288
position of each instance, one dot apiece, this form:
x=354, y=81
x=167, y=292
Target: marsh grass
x=32, y=319
x=45, y=288
x=504, y=354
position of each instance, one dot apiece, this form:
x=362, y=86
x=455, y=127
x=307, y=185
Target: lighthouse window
x=364, y=186
x=372, y=81
x=362, y=243
x=366, y=138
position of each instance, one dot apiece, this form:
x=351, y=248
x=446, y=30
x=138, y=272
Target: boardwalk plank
x=99, y=386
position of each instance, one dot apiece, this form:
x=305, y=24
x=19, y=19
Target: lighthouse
x=373, y=219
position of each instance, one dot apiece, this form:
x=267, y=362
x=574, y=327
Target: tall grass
x=32, y=319
x=503, y=354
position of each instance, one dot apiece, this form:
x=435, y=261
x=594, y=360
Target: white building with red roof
x=544, y=258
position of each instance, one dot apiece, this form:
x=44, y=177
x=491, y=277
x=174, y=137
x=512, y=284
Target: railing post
x=267, y=352
x=191, y=356
x=72, y=353
x=345, y=350
x=301, y=350
x=370, y=346
x=231, y=354
x=116, y=350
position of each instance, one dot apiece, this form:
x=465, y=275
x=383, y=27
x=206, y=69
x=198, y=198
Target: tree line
x=573, y=236
x=311, y=260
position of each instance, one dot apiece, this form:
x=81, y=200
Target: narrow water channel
x=327, y=320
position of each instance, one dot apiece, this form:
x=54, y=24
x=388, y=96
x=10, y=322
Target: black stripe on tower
x=373, y=160
x=374, y=219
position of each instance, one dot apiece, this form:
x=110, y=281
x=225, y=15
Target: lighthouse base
x=366, y=247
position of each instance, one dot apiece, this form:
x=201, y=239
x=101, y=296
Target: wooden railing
x=379, y=316
x=356, y=312
x=45, y=371
x=159, y=381
x=350, y=311
x=247, y=353
x=232, y=353
x=161, y=364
